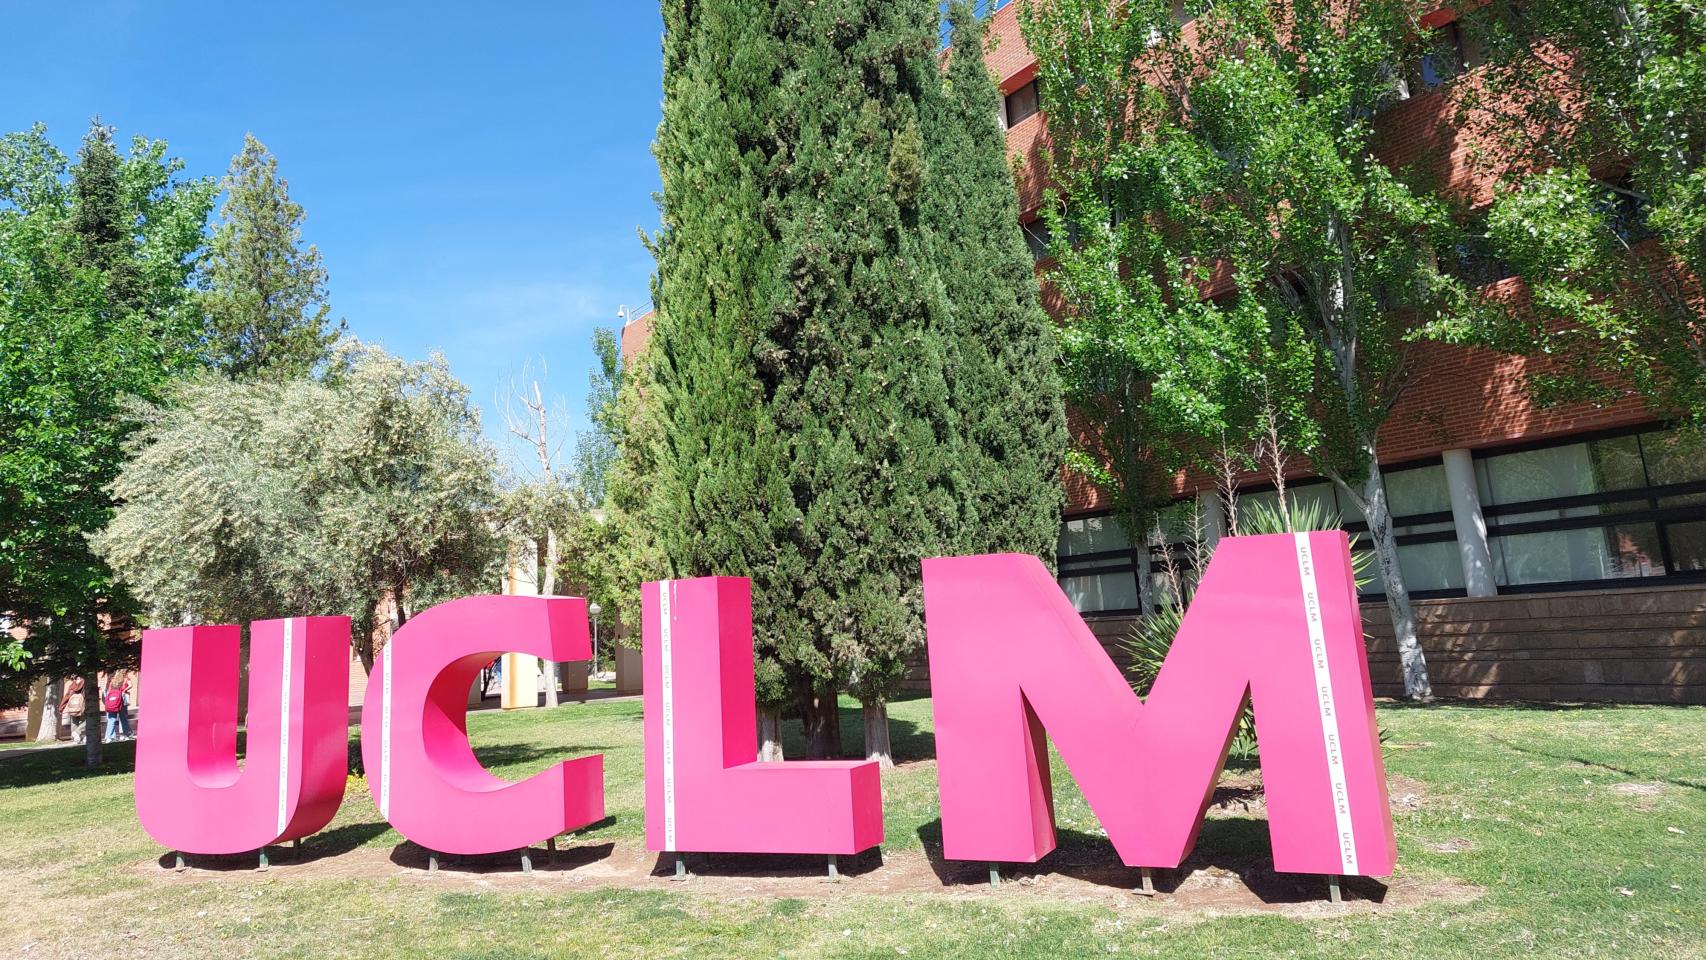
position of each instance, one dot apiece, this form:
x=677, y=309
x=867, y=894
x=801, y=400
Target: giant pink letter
x=414, y=735
x=1275, y=619
x=705, y=790
x=191, y=795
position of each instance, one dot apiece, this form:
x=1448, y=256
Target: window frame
x=1660, y=517
x=1007, y=120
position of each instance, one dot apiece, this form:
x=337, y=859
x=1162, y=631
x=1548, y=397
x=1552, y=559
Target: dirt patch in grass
x=1200, y=887
x=1239, y=794
x=1644, y=794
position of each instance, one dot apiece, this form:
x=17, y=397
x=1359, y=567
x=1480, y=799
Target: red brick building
x=1554, y=552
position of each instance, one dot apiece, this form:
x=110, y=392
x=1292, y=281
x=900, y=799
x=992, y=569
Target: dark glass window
x=1038, y=237
x=1445, y=56
x=1098, y=566
x=1473, y=261
x=1022, y=104
x=1627, y=212
x=1615, y=508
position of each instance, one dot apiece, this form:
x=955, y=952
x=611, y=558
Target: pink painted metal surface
x=705, y=789
x=191, y=793
x=1275, y=619
x=422, y=771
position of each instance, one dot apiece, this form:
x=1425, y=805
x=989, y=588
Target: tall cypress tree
x=1005, y=372
x=806, y=428
x=718, y=485
x=266, y=298
x=854, y=358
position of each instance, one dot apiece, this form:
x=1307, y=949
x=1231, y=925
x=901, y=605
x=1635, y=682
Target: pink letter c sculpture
x=191, y=794
x=422, y=771
x=705, y=789
x=1275, y=619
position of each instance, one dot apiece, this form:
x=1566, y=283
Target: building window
x=1098, y=566
x=1615, y=508
x=1422, y=525
x=1445, y=57
x=1021, y=104
x=1473, y=260
x=1038, y=237
x=1627, y=212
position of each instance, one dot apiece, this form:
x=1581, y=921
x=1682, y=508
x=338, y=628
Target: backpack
x=113, y=702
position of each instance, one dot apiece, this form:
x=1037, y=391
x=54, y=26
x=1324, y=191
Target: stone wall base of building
x=1631, y=645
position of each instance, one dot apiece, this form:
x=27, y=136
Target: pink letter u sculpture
x=191, y=796
x=1275, y=620
x=705, y=789
x=422, y=771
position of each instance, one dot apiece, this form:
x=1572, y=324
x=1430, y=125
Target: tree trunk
x=48, y=731
x=769, y=734
x=1412, y=660
x=877, y=735
x=93, y=720
x=823, y=726
x=547, y=581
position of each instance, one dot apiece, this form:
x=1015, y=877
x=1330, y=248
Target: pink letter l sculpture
x=1275, y=620
x=705, y=789
x=191, y=795
x=414, y=736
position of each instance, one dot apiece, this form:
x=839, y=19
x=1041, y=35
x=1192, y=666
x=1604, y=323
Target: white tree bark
x=769, y=734
x=547, y=580
x=877, y=745
x=48, y=729
x=1412, y=661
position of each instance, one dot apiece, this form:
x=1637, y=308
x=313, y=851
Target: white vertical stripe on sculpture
x=284, y=727
x=385, y=731
x=1329, y=709
x=666, y=647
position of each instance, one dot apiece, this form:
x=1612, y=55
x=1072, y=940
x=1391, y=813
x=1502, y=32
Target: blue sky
x=473, y=174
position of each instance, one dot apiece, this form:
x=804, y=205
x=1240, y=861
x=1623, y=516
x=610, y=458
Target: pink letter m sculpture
x=190, y=794
x=705, y=789
x=1275, y=620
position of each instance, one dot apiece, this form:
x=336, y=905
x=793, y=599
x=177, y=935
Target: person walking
x=71, y=708
x=115, y=703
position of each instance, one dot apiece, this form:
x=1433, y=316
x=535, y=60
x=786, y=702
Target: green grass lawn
x=1566, y=832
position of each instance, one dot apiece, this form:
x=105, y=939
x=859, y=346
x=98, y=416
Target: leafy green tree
x=1230, y=241
x=94, y=310
x=1591, y=120
x=595, y=449
x=255, y=499
x=266, y=294
x=609, y=550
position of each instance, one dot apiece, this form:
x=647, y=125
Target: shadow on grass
x=1483, y=703
x=413, y=856
x=1699, y=785
x=769, y=865
x=321, y=846
x=44, y=765
x=1236, y=845
x=496, y=756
